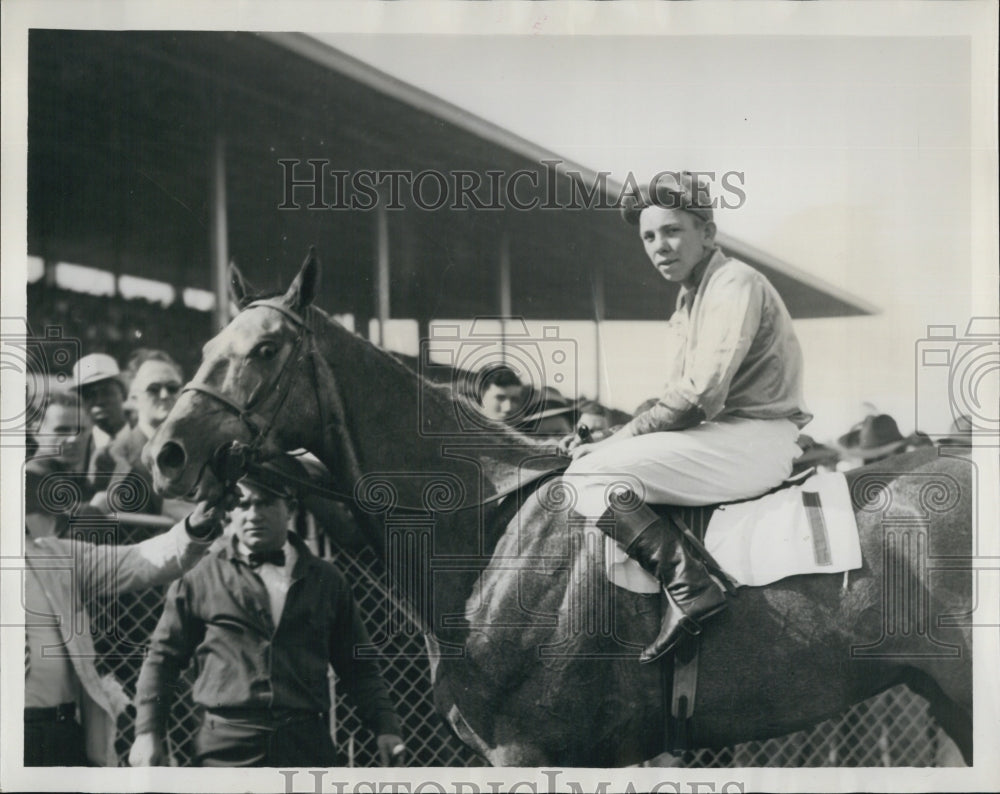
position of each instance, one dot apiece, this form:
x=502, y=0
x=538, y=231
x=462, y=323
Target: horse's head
x=251, y=382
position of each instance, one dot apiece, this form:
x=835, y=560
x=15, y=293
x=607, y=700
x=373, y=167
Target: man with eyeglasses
x=155, y=384
x=265, y=618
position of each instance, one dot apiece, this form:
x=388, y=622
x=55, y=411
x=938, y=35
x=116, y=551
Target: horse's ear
x=238, y=289
x=303, y=287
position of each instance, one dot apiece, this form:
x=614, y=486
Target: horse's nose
x=170, y=460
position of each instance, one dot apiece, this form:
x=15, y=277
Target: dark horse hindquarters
x=783, y=658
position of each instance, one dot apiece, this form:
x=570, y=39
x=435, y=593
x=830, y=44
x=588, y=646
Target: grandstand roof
x=122, y=128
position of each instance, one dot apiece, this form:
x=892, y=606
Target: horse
x=532, y=652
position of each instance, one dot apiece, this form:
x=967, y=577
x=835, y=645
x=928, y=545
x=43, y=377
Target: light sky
x=857, y=155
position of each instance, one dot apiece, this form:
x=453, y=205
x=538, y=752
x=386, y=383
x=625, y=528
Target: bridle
x=231, y=459
x=234, y=459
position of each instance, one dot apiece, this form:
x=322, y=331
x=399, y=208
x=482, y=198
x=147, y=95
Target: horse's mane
x=439, y=392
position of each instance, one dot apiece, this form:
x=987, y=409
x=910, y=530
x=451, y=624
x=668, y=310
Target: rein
x=231, y=461
x=245, y=412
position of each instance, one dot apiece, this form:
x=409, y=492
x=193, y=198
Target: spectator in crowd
x=155, y=383
x=875, y=438
x=724, y=428
x=265, y=618
x=70, y=711
x=62, y=424
x=499, y=392
x=102, y=391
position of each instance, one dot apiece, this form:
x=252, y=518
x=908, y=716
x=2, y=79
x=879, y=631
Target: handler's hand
x=147, y=750
x=205, y=521
x=391, y=749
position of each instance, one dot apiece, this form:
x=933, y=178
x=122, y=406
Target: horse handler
x=726, y=425
x=265, y=618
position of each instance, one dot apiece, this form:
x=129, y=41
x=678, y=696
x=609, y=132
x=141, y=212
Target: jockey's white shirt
x=731, y=356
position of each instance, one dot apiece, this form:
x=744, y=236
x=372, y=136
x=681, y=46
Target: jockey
x=726, y=425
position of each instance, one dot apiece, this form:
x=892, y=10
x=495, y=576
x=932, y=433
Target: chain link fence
x=892, y=729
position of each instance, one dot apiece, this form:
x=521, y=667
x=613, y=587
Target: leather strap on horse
x=231, y=461
x=684, y=687
x=699, y=548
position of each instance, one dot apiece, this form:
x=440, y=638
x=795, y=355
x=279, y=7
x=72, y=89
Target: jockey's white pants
x=725, y=460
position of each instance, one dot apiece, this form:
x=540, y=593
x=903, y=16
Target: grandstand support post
x=504, y=291
x=382, y=269
x=597, y=294
x=49, y=272
x=219, y=229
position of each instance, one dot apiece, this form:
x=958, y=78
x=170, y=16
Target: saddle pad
x=808, y=528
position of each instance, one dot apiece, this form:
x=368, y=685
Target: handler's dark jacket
x=220, y=613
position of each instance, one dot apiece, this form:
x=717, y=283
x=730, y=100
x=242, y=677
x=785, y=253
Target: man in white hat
x=102, y=391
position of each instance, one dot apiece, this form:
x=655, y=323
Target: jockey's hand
x=597, y=441
x=583, y=435
x=570, y=442
x=583, y=449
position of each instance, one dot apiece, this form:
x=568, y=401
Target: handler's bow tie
x=258, y=558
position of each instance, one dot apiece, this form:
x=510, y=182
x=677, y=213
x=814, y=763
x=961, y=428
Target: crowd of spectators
x=89, y=499
x=118, y=326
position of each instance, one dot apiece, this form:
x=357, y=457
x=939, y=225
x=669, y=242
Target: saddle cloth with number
x=802, y=529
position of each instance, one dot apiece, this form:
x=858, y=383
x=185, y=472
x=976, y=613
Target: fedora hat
x=94, y=368
x=874, y=437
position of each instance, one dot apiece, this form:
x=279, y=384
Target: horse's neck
x=395, y=443
x=388, y=425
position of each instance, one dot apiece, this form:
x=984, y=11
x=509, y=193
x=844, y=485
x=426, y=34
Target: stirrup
x=688, y=624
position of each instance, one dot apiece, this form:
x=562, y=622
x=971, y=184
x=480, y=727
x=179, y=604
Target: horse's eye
x=265, y=351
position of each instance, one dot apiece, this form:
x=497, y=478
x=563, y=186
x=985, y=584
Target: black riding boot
x=692, y=595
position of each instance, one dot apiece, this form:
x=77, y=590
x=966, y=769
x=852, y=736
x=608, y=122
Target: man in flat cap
x=724, y=428
x=265, y=618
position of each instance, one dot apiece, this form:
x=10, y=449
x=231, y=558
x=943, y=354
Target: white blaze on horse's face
x=241, y=364
x=237, y=392
x=245, y=358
